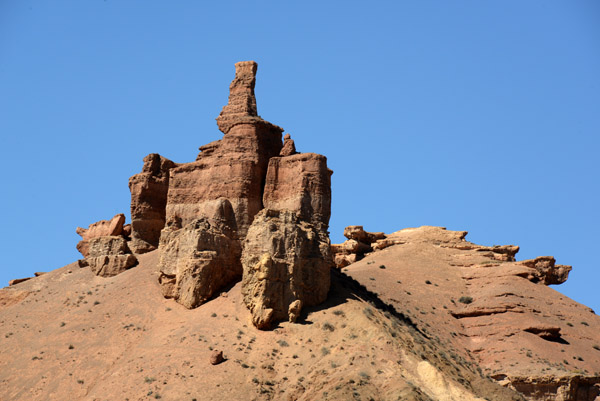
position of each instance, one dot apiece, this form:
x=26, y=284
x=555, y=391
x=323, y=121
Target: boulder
x=285, y=259
x=289, y=148
x=109, y=256
x=216, y=357
x=200, y=259
x=359, y=243
x=148, y=202
x=358, y=233
x=101, y=228
x=546, y=270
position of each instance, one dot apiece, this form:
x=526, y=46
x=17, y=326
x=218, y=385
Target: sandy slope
x=71, y=335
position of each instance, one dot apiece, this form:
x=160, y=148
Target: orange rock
x=101, y=228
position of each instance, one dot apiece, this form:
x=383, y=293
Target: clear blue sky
x=475, y=115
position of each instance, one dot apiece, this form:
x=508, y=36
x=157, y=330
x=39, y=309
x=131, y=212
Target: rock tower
x=249, y=207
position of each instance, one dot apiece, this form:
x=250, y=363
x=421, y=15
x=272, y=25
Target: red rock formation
x=101, y=228
x=148, y=202
x=300, y=183
x=241, y=107
x=289, y=148
x=233, y=167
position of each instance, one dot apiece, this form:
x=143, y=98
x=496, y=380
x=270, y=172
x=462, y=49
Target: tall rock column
x=212, y=201
x=233, y=167
x=286, y=256
x=148, y=202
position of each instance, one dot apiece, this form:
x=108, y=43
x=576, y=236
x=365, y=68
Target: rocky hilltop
x=225, y=286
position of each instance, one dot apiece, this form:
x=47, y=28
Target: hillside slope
x=391, y=328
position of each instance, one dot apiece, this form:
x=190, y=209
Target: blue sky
x=477, y=116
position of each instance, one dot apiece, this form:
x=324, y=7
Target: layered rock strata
x=286, y=264
x=148, y=202
x=233, y=167
x=211, y=205
x=300, y=182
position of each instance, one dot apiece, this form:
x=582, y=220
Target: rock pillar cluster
x=249, y=206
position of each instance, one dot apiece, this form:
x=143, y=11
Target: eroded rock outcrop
x=109, y=256
x=233, y=167
x=148, y=202
x=286, y=264
x=212, y=202
x=201, y=258
x=358, y=244
x=101, y=228
x=302, y=183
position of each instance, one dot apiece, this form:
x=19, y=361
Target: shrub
x=382, y=266
x=328, y=326
x=465, y=300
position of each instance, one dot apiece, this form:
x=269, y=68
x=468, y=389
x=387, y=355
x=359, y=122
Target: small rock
x=216, y=357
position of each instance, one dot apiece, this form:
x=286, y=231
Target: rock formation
x=233, y=167
x=300, y=182
x=101, y=228
x=109, y=256
x=289, y=148
x=148, y=201
x=356, y=246
x=206, y=208
x=104, y=247
x=201, y=258
x=286, y=266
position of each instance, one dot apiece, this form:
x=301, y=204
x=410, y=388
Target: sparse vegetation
x=213, y=314
x=569, y=324
x=585, y=323
x=149, y=379
x=465, y=299
x=328, y=326
x=325, y=351
x=382, y=266
x=283, y=343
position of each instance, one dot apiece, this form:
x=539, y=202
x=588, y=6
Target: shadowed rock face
x=148, y=201
x=286, y=264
